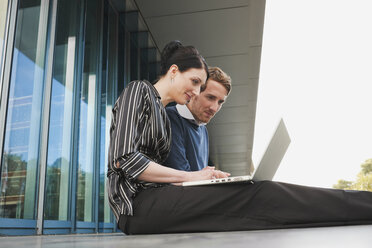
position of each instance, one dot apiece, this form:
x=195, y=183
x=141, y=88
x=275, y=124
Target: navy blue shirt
x=189, y=146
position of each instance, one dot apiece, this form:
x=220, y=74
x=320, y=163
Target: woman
x=142, y=199
x=140, y=129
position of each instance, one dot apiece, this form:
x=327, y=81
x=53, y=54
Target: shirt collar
x=185, y=112
x=154, y=89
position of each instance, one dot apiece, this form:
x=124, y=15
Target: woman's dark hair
x=185, y=57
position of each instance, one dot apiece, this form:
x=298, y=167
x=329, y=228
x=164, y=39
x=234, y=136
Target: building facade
x=63, y=63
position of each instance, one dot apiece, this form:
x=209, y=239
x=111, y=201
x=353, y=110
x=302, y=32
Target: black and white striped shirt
x=139, y=133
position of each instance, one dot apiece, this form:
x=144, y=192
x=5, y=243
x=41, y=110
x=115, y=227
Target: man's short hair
x=218, y=75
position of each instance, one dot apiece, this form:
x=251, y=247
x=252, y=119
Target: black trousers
x=244, y=206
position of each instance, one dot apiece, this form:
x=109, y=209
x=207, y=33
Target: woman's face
x=187, y=84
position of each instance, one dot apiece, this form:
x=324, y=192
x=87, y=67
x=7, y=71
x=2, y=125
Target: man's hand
x=216, y=173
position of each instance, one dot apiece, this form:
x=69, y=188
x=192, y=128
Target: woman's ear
x=173, y=70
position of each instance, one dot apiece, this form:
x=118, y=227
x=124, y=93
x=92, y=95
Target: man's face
x=205, y=105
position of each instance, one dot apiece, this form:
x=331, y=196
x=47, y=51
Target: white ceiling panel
x=241, y=95
x=223, y=149
x=242, y=128
x=234, y=65
x=234, y=157
x=229, y=140
x=242, y=68
x=235, y=114
x=191, y=29
x=254, y=61
x=155, y=8
x=256, y=22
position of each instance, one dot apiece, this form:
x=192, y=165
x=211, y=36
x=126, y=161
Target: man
x=190, y=143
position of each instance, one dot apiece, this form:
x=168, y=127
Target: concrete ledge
x=327, y=237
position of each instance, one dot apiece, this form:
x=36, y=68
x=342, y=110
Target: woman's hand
x=207, y=173
x=160, y=174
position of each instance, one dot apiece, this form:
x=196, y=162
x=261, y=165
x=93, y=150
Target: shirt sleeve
x=126, y=129
x=177, y=156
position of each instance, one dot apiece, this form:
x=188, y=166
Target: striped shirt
x=139, y=133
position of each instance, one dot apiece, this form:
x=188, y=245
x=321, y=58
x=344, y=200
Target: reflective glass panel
x=3, y=11
x=134, y=60
x=22, y=131
x=60, y=146
x=87, y=118
x=109, y=80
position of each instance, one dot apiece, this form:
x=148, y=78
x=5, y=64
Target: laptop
x=268, y=165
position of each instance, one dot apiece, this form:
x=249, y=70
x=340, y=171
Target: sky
x=316, y=74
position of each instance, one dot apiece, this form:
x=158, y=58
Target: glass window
x=22, y=131
x=87, y=118
x=134, y=57
x=3, y=11
x=144, y=54
x=61, y=113
x=109, y=80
